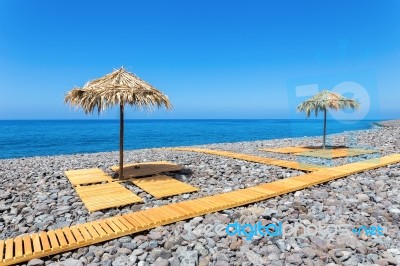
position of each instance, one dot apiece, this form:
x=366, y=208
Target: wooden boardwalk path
x=42, y=244
x=256, y=159
x=329, y=153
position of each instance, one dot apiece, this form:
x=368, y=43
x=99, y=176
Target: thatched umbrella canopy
x=117, y=88
x=326, y=100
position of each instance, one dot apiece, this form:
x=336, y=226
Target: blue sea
x=25, y=138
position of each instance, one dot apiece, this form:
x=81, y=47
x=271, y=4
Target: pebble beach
x=36, y=195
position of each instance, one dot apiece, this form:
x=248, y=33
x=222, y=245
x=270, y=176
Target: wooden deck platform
x=147, y=168
x=256, y=159
x=87, y=176
x=161, y=186
x=104, y=196
x=335, y=153
x=288, y=150
x=26, y=247
x=112, y=194
x=329, y=153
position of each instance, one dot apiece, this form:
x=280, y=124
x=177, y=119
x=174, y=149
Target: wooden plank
x=106, y=227
x=61, y=238
x=18, y=247
x=259, y=190
x=9, y=254
x=262, y=189
x=27, y=245
x=126, y=223
x=171, y=212
x=237, y=198
x=120, y=225
x=179, y=209
x=226, y=199
x=295, y=181
x=307, y=179
x=255, y=194
x=186, y=206
x=45, y=241
x=133, y=221
x=70, y=237
x=77, y=235
x=84, y=232
x=252, y=195
x=200, y=205
x=140, y=215
x=102, y=233
x=285, y=184
x=206, y=201
x=152, y=215
x=142, y=220
x=231, y=201
x=53, y=240
x=1, y=250
x=37, y=247
x=222, y=201
x=244, y=196
x=92, y=231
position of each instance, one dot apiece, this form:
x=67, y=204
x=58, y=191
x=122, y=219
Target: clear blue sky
x=214, y=59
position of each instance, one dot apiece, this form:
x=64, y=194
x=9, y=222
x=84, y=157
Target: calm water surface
x=53, y=137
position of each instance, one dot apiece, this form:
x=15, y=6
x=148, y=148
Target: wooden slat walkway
x=147, y=168
x=256, y=159
x=336, y=153
x=87, y=176
x=42, y=244
x=161, y=186
x=288, y=150
x=317, y=151
x=104, y=196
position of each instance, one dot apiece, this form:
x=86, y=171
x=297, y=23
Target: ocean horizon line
x=191, y=119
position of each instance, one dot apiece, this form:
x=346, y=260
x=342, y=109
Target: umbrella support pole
x=121, y=141
x=324, y=145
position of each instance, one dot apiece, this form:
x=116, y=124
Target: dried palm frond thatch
x=117, y=88
x=324, y=101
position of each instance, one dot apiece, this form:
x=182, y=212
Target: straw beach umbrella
x=117, y=88
x=326, y=100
